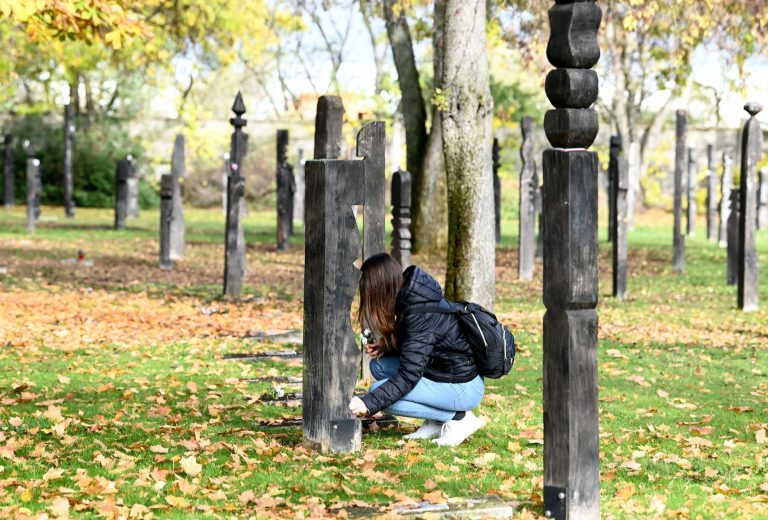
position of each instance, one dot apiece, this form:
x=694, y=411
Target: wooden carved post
x=678, y=247
x=571, y=474
x=372, y=146
x=711, y=195
x=613, y=154
x=328, y=122
x=692, y=187
x=225, y=182
x=33, y=173
x=234, y=254
x=331, y=355
x=725, y=197
x=751, y=151
x=121, y=193
x=286, y=187
x=734, y=214
x=178, y=170
x=69, y=138
x=496, y=188
x=133, y=188
x=538, y=198
x=298, y=196
x=166, y=220
x=401, y=217
x=621, y=184
x=762, y=199
x=526, y=231
x=9, y=195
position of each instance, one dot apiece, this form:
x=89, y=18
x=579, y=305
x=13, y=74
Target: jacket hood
x=419, y=288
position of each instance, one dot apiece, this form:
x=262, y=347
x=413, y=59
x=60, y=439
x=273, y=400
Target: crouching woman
x=422, y=364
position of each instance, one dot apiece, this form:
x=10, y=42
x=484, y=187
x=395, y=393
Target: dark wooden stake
x=178, y=170
x=121, y=193
x=401, y=217
x=734, y=210
x=712, y=231
x=286, y=187
x=571, y=444
x=33, y=173
x=619, y=175
x=725, y=197
x=678, y=246
x=372, y=147
x=692, y=188
x=495, y=158
x=9, y=194
x=331, y=355
x=69, y=141
x=133, y=188
x=166, y=220
x=328, y=122
x=527, y=211
x=751, y=152
x=234, y=255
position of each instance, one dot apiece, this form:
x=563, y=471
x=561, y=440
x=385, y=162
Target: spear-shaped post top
x=754, y=108
x=239, y=109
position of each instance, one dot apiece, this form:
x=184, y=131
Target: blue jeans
x=428, y=399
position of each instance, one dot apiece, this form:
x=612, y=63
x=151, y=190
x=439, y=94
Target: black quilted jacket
x=431, y=345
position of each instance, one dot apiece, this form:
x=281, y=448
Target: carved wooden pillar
x=328, y=122
x=495, y=158
x=331, y=354
x=33, y=172
x=121, y=193
x=9, y=194
x=725, y=197
x=527, y=227
x=712, y=231
x=69, y=143
x=762, y=199
x=234, y=255
x=571, y=474
x=372, y=147
x=177, y=230
x=286, y=186
x=619, y=175
x=692, y=185
x=734, y=210
x=678, y=245
x=401, y=217
x=751, y=151
x=166, y=220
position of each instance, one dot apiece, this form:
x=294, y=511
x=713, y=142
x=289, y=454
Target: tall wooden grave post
x=678, y=243
x=734, y=215
x=495, y=158
x=692, y=185
x=571, y=474
x=401, y=217
x=69, y=141
x=166, y=220
x=234, y=253
x=33, y=173
x=133, y=188
x=725, y=197
x=328, y=122
x=121, y=193
x=178, y=171
x=224, y=182
x=9, y=194
x=286, y=186
x=527, y=212
x=762, y=199
x=619, y=173
x=331, y=355
x=612, y=174
x=751, y=151
x=712, y=230
x=298, y=195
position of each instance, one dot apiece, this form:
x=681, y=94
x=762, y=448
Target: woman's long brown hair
x=379, y=285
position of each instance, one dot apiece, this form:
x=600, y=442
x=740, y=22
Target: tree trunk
x=466, y=128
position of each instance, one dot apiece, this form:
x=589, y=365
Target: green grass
x=683, y=384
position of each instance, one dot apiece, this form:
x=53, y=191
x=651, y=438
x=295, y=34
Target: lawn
x=115, y=399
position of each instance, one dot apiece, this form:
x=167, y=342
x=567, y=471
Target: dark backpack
x=493, y=345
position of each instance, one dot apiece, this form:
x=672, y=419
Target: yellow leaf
x=175, y=501
x=626, y=491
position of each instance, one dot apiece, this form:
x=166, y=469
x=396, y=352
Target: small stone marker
x=496, y=188
x=527, y=211
x=298, y=196
x=762, y=199
x=328, y=122
x=69, y=140
x=178, y=170
x=331, y=355
x=571, y=443
x=693, y=185
x=712, y=230
x=133, y=188
x=166, y=220
x=234, y=251
x=286, y=187
x=734, y=211
x=33, y=175
x=121, y=193
x=749, y=270
x=9, y=194
x=619, y=174
x=401, y=217
x=678, y=246
x=372, y=146
x=725, y=197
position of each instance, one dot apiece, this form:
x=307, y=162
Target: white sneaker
x=429, y=430
x=454, y=432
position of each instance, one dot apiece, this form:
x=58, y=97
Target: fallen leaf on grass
x=175, y=501
x=434, y=497
x=625, y=491
x=53, y=474
x=59, y=507
x=190, y=466
x=760, y=436
x=246, y=497
x=158, y=449
x=631, y=465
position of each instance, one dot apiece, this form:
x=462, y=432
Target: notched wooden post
x=749, y=270
x=401, y=217
x=496, y=162
x=571, y=444
x=329, y=120
x=234, y=255
x=69, y=143
x=331, y=354
x=678, y=240
x=177, y=230
x=372, y=147
x=33, y=167
x=166, y=220
x=286, y=187
x=725, y=197
x=121, y=193
x=711, y=195
x=526, y=245
x=619, y=175
x=9, y=195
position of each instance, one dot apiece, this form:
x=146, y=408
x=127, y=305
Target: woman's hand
x=357, y=406
x=375, y=350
